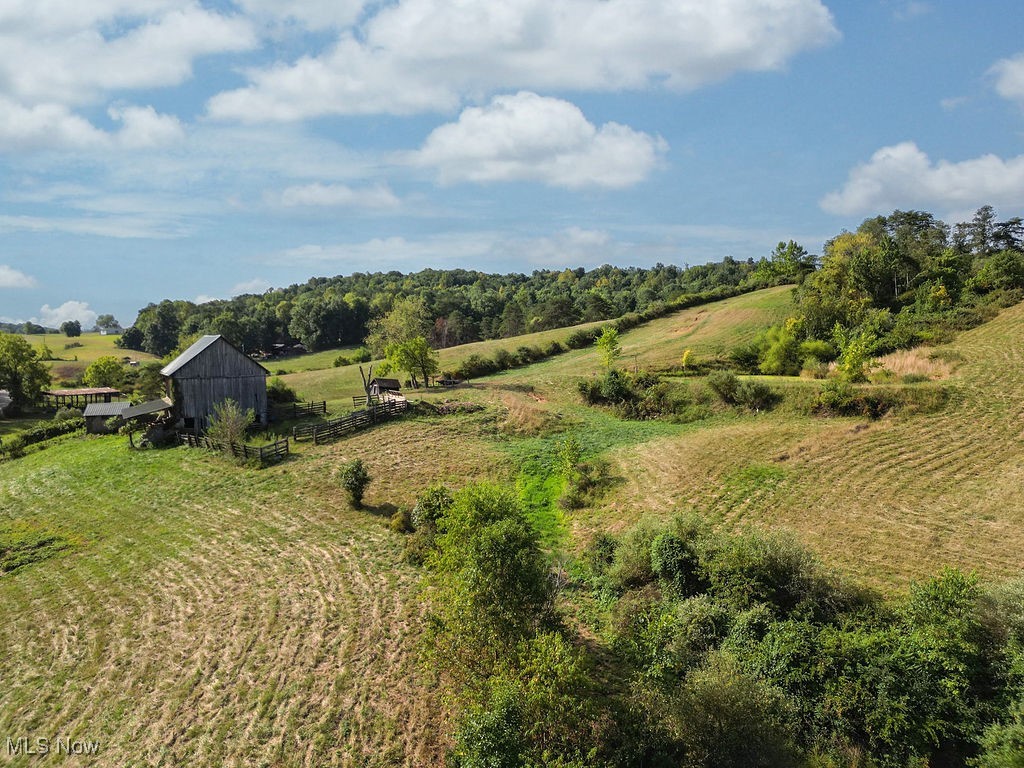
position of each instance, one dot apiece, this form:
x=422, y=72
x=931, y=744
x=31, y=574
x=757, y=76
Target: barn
x=210, y=371
x=380, y=386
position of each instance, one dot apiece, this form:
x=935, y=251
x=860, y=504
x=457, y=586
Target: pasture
x=181, y=609
x=71, y=360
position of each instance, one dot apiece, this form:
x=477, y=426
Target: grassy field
x=73, y=361
x=709, y=331
x=184, y=610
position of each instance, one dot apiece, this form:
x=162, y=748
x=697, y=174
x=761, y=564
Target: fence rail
x=298, y=410
x=328, y=431
x=267, y=454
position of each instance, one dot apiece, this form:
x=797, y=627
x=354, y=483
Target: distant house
x=210, y=371
x=380, y=386
x=5, y=400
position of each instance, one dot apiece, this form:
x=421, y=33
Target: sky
x=195, y=149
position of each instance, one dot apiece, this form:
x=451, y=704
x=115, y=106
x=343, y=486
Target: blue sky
x=157, y=149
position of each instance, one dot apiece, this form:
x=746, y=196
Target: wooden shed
x=210, y=371
x=380, y=386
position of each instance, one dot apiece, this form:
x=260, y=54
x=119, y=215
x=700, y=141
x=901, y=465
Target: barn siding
x=215, y=374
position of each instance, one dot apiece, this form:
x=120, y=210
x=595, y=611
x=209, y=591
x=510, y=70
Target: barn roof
x=152, y=406
x=106, y=409
x=82, y=391
x=200, y=346
x=394, y=384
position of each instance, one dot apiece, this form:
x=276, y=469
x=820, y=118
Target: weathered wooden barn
x=210, y=371
x=380, y=386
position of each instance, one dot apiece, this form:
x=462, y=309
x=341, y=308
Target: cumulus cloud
x=1009, y=78
x=69, y=52
x=13, y=278
x=54, y=126
x=427, y=55
x=144, y=127
x=903, y=176
x=526, y=137
x=52, y=317
x=338, y=196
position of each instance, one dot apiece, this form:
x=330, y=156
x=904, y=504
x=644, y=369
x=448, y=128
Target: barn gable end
x=213, y=370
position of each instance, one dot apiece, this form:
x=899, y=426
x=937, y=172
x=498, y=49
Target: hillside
x=185, y=610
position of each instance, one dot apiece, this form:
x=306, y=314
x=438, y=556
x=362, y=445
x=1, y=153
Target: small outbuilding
x=209, y=372
x=380, y=386
x=97, y=416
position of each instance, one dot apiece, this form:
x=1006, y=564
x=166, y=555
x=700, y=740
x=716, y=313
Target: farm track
x=890, y=500
x=258, y=621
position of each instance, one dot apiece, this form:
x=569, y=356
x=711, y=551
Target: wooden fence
x=299, y=410
x=267, y=454
x=329, y=431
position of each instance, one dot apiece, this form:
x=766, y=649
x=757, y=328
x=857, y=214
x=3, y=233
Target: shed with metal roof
x=211, y=371
x=97, y=414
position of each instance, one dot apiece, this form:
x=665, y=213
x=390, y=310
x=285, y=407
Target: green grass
x=184, y=610
x=311, y=361
x=73, y=362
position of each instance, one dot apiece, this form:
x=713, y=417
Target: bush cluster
x=748, y=393
x=747, y=651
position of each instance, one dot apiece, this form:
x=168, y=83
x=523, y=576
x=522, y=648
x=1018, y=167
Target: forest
x=896, y=281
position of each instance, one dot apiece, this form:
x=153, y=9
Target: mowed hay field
x=889, y=500
x=208, y=614
x=188, y=611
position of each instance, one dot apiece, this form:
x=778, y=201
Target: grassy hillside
x=196, y=613
x=73, y=361
x=710, y=331
x=183, y=610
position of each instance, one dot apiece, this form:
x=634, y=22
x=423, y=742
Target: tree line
x=448, y=307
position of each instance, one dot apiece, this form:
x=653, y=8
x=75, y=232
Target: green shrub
x=341, y=361
x=431, y=504
x=553, y=348
x=401, y=521
x=491, y=737
x=632, y=565
x=503, y=360
x=361, y=355
x=726, y=718
x=724, y=384
x=64, y=414
x=14, y=446
x=818, y=349
x=279, y=392
x=746, y=357
x=354, y=479
x=583, y=337
x=676, y=564
x=756, y=395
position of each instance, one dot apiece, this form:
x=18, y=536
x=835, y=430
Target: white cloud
x=902, y=176
x=52, y=317
x=54, y=126
x=69, y=52
x=144, y=127
x=339, y=196
x=527, y=137
x=256, y=285
x=427, y=55
x=12, y=278
x=1009, y=74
